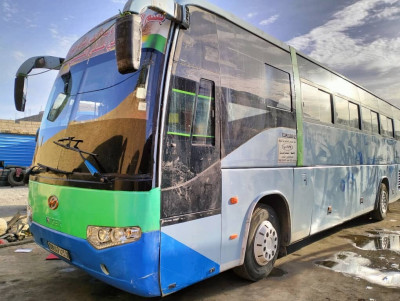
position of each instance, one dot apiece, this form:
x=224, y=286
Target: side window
x=187, y=108
x=397, y=129
x=387, y=126
x=354, y=115
x=366, y=119
x=182, y=100
x=342, y=111
x=278, y=93
x=204, y=122
x=316, y=103
x=384, y=128
x=375, y=123
x=390, y=127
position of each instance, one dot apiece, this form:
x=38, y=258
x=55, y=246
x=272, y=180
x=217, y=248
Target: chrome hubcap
x=265, y=243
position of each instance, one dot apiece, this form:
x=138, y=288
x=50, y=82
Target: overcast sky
x=360, y=39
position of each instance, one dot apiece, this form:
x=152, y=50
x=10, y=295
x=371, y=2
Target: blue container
x=17, y=149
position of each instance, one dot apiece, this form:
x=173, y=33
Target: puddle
x=355, y=265
x=377, y=240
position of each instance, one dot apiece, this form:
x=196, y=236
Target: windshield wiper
x=93, y=171
x=43, y=168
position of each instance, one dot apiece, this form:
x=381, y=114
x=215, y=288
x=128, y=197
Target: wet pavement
x=358, y=260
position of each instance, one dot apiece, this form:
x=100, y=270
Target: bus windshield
x=111, y=113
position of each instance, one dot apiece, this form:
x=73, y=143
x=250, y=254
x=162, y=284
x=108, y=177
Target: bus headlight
x=105, y=237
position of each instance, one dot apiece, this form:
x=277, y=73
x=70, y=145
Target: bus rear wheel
x=382, y=207
x=262, y=244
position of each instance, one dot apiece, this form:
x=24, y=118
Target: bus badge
x=53, y=202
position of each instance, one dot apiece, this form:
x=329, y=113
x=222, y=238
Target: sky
x=359, y=39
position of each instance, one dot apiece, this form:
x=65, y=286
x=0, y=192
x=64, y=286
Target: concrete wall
x=18, y=127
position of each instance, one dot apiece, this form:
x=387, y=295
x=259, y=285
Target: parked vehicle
x=175, y=148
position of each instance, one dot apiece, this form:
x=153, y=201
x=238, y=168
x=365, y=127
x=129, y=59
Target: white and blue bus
x=179, y=142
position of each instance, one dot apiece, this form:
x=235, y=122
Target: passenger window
x=397, y=129
x=366, y=119
x=387, y=126
x=342, y=111
x=390, y=127
x=384, y=128
x=278, y=92
x=182, y=100
x=204, y=123
x=316, y=103
x=354, y=115
x=374, y=121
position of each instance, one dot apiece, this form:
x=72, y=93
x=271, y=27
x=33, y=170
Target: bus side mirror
x=128, y=42
x=20, y=87
x=21, y=78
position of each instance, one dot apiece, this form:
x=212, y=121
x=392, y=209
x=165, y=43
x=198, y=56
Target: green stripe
x=299, y=107
x=178, y=134
x=203, y=136
x=206, y=97
x=80, y=207
x=184, y=92
x=192, y=94
x=155, y=41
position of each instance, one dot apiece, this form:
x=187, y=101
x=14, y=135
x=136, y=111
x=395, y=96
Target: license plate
x=59, y=251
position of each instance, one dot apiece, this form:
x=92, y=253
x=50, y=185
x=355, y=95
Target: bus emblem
x=53, y=202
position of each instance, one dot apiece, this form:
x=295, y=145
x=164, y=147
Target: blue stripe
x=181, y=266
x=132, y=267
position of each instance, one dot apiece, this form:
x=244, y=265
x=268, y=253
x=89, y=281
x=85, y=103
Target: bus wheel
x=383, y=204
x=262, y=244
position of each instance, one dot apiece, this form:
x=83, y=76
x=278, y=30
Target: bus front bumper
x=132, y=267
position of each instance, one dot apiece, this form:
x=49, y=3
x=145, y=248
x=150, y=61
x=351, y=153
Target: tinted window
x=390, y=127
x=342, y=111
x=354, y=115
x=277, y=88
x=366, y=119
x=316, y=103
x=397, y=129
x=384, y=129
x=183, y=96
x=204, y=123
x=387, y=126
x=374, y=121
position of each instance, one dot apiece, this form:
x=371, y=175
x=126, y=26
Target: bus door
x=190, y=167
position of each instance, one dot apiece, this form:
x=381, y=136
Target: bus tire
x=262, y=244
x=382, y=206
x=14, y=180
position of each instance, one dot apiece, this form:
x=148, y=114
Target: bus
x=179, y=142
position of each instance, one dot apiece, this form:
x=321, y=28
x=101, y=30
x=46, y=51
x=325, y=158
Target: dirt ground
x=356, y=261
x=13, y=200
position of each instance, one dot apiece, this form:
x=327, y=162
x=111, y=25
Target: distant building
x=23, y=126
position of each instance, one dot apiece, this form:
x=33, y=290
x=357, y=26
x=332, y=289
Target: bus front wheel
x=382, y=207
x=262, y=244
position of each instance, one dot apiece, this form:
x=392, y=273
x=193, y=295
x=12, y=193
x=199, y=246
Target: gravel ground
x=13, y=200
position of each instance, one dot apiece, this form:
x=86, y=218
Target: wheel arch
x=277, y=201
